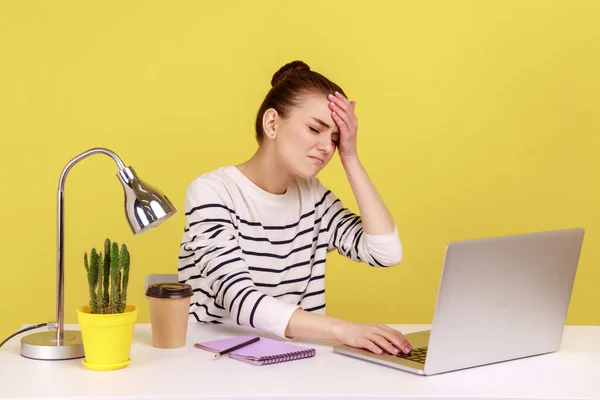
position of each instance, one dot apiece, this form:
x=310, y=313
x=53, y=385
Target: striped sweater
x=252, y=257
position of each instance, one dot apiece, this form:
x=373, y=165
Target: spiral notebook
x=265, y=351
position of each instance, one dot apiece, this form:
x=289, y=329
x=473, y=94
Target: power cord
x=25, y=330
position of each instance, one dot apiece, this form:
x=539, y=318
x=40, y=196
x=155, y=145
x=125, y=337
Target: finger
x=395, y=337
x=349, y=121
x=346, y=112
x=399, y=340
x=341, y=103
x=346, y=105
x=341, y=97
x=382, y=342
x=341, y=112
x=369, y=345
x=340, y=122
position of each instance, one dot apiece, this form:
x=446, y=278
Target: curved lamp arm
x=145, y=207
x=60, y=271
x=85, y=154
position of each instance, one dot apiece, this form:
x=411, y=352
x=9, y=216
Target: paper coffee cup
x=169, y=308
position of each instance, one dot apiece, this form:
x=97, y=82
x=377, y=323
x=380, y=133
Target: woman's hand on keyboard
x=376, y=338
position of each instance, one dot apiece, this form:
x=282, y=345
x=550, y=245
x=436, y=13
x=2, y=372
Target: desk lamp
x=145, y=208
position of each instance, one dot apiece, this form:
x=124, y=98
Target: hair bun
x=287, y=69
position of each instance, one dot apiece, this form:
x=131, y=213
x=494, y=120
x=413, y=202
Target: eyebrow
x=326, y=125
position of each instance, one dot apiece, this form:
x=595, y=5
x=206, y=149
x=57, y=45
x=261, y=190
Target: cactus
x=92, y=279
x=124, y=266
x=108, y=278
x=118, y=286
x=99, y=294
x=114, y=275
x=106, y=282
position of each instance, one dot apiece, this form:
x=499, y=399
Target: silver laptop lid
x=503, y=298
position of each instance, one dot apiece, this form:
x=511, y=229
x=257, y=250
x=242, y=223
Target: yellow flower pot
x=107, y=337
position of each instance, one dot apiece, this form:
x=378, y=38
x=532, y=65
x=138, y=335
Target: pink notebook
x=265, y=351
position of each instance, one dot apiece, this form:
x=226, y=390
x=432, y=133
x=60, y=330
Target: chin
x=308, y=173
x=305, y=170
x=309, y=177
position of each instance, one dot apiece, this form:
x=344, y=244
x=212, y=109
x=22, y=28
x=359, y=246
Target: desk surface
x=191, y=373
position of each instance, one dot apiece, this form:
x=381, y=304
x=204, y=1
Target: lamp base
x=44, y=346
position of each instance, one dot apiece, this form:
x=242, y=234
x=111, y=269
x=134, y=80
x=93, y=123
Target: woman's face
x=307, y=138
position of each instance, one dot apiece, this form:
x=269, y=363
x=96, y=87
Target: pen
x=237, y=346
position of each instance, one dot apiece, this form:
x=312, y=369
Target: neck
x=264, y=170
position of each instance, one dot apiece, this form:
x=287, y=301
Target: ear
x=270, y=123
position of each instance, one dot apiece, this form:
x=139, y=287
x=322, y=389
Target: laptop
x=499, y=299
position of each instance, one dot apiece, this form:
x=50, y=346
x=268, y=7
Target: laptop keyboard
x=417, y=355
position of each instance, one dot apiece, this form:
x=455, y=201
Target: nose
x=325, y=145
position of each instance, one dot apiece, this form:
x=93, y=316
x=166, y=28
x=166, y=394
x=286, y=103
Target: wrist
x=336, y=328
x=350, y=160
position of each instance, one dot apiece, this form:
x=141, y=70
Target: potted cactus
x=107, y=321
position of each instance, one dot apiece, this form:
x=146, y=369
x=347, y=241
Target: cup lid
x=169, y=290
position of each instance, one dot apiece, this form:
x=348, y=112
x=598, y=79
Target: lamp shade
x=145, y=206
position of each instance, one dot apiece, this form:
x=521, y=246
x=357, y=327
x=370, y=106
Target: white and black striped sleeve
x=211, y=229
x=346, y=235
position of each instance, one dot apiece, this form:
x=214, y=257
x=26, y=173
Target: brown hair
x=287, y=85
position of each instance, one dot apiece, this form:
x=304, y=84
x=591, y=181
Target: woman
x=257, y=234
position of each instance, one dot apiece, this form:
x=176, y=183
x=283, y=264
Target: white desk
x=190, y=373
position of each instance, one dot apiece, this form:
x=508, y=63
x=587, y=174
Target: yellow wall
x=476, y=119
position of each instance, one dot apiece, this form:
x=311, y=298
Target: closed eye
x=313, y=129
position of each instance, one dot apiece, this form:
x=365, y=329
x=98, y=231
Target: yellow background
x=476, y=118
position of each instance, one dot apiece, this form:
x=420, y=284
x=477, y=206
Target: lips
x=317, y=159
